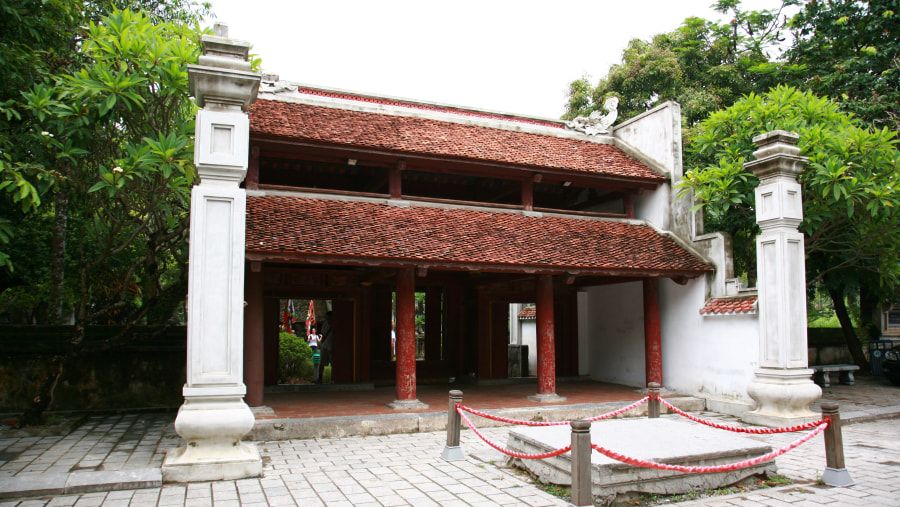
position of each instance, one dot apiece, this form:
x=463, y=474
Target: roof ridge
x=282, y=88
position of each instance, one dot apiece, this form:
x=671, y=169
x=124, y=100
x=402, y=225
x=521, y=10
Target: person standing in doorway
x=313, y=339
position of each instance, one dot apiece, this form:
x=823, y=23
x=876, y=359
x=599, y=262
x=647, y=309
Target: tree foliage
x=107, y=141
x=703, y=65
x=851, y=219
x=850, y=51
x=851, y=207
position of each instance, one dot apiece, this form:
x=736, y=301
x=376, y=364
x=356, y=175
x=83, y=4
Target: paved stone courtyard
x=406, y=469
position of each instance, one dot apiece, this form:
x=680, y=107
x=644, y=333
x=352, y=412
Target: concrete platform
x=664, y=440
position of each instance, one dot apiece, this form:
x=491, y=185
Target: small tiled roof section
x=360, y=232
x=529, y=312
x=429, y=137
x=726, y=306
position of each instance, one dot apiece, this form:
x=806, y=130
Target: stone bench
x=822, y=373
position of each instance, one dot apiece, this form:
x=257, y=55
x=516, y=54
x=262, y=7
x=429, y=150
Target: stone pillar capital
x=777, y=156
x=223, y=79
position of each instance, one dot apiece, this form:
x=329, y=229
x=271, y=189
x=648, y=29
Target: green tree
x=41, y=38
x=850, y=51
x=851, y=209
x=703, y=65
x=118, y=135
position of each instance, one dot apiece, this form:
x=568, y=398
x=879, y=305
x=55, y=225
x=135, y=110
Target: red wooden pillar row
x=546, y=363
x=652, y=332
x=406, y=335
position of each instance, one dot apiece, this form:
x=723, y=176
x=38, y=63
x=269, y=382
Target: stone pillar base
x=213, y=427
x=407, y=405
x=838, y=477
x=783, y=397
x=547, y=398
x=452, y=453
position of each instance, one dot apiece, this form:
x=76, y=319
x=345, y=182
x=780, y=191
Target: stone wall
x=146, y=372
x=827, y=346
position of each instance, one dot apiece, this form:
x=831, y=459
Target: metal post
x=653, y=404
x=581, y=464
x=835, y=474
x=452, y=451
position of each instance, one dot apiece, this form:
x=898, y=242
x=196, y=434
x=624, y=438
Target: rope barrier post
x=452, y=451
x=835, y=474
x=653, y=403
x=581, y=464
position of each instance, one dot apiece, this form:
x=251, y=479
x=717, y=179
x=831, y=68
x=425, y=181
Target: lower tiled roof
x=720, y=306
x=349, y=232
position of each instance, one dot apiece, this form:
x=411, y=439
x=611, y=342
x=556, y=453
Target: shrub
x=294, y=359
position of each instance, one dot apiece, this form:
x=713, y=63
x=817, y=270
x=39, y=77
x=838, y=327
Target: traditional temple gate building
x=364, y=201
x=355, y=198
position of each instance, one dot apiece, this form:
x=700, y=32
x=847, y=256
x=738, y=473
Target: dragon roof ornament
x=596, y=123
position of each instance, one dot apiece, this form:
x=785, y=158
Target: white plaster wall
x=709, y=356
x=657, y=134
x=528, y=330
x=615, y=333
x=712, y=356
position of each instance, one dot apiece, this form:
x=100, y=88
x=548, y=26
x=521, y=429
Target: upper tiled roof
x=425, y=136
x=359, y=232
x=733, y=305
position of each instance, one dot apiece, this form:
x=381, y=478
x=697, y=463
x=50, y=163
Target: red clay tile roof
x=423, y=136
x=529, y=312
x=426, y=107
x=730, y=305
x=355, y=232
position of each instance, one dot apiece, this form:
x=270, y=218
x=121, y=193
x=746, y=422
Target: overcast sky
x=509, y=56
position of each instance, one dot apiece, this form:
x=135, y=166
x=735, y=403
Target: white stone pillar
x=782, y=388
x=214, y=416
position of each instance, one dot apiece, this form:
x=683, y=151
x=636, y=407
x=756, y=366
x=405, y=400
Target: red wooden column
x=253, y=334
x=406, y=342
x=652, y=332
x=546, y=343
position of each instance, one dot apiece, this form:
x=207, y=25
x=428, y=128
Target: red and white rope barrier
x=713, y=468
x=514, y=454
x=498, y=418
x=738, y=429
x=622, y=410
x=817, y=427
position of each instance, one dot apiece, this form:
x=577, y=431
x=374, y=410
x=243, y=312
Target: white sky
x=501, y=55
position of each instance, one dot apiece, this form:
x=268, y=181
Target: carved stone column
x=214, y=417
x=782, y=388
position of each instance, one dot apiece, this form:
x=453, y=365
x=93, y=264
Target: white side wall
x=712, y=356
x=709, y=356
x=615, y=323
x=528, y=330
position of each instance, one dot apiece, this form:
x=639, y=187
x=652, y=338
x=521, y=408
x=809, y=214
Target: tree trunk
x=853, y=343
x=58, y=261
x=870, y=320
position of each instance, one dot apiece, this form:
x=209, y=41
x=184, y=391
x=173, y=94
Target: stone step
x=414, y=422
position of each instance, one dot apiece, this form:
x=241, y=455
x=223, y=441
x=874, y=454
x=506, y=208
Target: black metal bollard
x=653, y=403
x=452, y=451
x=581, y=464
x=835, y=474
